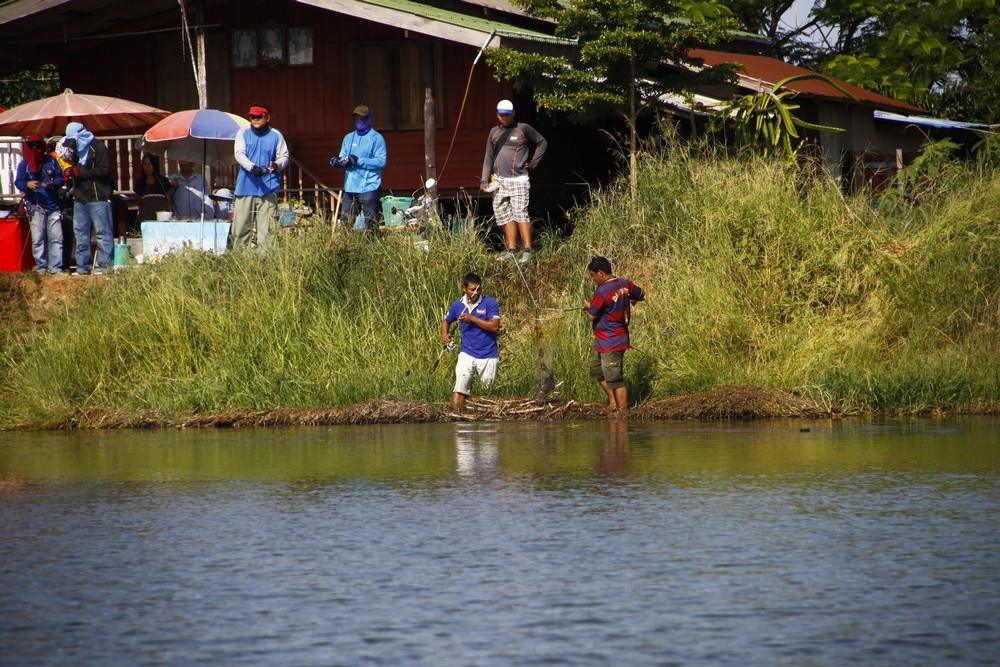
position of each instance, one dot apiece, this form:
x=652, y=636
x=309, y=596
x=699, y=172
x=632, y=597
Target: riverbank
x=721, y=403
x=757, y=277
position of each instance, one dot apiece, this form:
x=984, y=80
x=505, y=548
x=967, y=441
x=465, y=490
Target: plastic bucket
x=121, y=255
x=393, y=208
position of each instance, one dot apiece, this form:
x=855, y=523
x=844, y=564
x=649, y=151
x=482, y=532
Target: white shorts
x=468, y=366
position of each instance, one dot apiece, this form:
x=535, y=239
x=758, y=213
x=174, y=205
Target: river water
x=594, y=543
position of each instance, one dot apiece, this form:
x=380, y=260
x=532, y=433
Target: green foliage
x=28, y=85
x=766, y=121
x=753, y=277
x=619, y=45
x=939, y=55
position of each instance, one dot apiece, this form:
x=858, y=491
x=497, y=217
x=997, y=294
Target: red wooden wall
x=310, y=105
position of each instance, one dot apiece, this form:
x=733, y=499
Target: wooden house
x=311, y=62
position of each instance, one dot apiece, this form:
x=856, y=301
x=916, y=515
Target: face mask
x=362, y=125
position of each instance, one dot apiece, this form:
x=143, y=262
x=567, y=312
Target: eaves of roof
x=763, y=71
x=437, y=21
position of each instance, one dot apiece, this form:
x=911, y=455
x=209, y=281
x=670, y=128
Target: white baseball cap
x=505, y=107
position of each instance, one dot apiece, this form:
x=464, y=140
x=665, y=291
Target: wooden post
x=201, y=81
x=430, y=154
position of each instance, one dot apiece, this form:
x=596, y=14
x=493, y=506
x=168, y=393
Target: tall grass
x=755, y=274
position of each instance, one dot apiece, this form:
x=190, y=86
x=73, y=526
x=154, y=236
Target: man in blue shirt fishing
x=362, y=157
x=478, y=318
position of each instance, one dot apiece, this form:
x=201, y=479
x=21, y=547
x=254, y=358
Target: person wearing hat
x=262, y=155
x=512, y=150
x=92, y=186
x=362, y=157
x=223, y=198
x=39, y=178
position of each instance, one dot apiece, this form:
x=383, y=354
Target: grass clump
x=756, y=276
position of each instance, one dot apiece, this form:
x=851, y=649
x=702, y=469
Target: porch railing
x=298, y=182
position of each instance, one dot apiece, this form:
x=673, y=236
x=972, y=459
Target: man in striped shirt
x=609, y=311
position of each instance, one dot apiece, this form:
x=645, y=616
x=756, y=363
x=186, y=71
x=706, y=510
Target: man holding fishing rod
x=609, y=311
x=478, y=318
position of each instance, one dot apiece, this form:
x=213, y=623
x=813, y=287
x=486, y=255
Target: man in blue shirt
x=262, y=155
x=362, y=157
x=478, y=318
x=39, y=177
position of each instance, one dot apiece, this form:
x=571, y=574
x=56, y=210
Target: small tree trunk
x=633, y=160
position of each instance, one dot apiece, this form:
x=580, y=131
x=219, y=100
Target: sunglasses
x=35, y=144
x=255, y=116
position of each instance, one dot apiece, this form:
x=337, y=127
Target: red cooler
x=15, y=245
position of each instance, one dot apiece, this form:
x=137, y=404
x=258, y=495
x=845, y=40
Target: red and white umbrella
x=49, y=116
x=204, y=136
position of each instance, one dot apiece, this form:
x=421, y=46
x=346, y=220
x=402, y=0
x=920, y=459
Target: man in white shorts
x=512, y=150
x=478, y=318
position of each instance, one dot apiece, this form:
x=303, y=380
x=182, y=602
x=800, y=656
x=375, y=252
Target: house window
x=267, y=46
x=272, y=45
x=389, y=78
x=244, y=48
x=300, y=46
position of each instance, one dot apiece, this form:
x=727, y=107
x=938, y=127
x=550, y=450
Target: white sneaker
x=505, y=256
x=525, y=258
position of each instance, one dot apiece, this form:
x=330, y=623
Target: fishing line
x=465, y=98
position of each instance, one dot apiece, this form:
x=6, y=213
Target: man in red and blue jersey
x=478, y=318
x=609, y=310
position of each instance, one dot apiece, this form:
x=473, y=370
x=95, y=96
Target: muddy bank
x=718, y=404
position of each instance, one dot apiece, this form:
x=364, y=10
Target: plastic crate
x=393, y=210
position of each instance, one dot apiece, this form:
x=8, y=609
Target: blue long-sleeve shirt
x=50, y=174
x=372, y=156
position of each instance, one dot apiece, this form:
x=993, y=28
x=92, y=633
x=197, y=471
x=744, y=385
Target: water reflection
x=613, y=460
x=476, y=449
x=598, y=543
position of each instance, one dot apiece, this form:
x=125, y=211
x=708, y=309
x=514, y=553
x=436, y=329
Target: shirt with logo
x=520, y=153
x=611, y=305
x=476, y=342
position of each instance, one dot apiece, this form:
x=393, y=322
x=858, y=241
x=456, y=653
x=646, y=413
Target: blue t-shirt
x=476, y=342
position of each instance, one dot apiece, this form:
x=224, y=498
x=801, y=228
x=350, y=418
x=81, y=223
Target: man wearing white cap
x=512, y=150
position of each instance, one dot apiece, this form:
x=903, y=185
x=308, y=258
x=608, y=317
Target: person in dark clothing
x=151, y=180
x=91, y=188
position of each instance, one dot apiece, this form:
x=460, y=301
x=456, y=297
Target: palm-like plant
x=765, y=121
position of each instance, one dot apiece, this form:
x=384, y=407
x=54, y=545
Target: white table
x=163, y=238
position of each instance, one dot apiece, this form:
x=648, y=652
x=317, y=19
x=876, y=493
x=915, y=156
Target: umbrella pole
x=204, y=182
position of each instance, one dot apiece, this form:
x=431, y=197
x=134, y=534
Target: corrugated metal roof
x=435, y=21
x=767, y=70
x=925, y=121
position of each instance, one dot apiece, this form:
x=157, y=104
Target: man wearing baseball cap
x=512, y=150
x=262, y=155
x=362, y=157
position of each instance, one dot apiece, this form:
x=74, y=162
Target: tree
x=937, y=54
x=628, y=53
x=28, y=85
x=765, y=121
